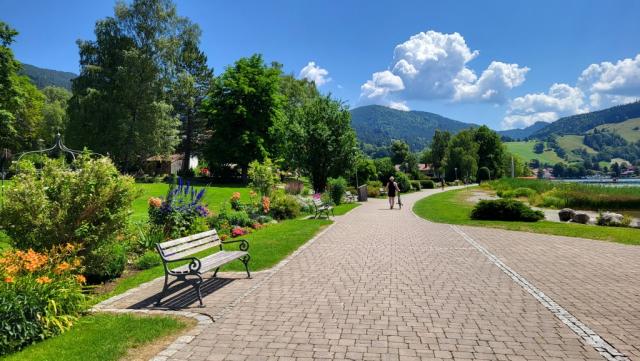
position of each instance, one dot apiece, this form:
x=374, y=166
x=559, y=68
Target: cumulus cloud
x=432, y=65
x=313, y=72
x=598, y=86
x=561, y=100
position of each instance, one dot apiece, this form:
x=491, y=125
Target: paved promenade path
x=386, y=285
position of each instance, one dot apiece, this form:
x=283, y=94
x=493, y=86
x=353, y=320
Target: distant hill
x=378, y=125
x=522, y=133
x=44, y=77
x=581, y=123
x=629, y=129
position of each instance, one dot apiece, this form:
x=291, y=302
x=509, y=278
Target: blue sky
x=489, y=62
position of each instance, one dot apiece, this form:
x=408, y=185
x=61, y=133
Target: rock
x=610, y=219
x=566, y=214
x=581, y=218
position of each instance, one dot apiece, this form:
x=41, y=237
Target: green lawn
x=525, y=151
x=213, y=196
x=344, y=208
x=452, y=207
x=101, y=337
x=573, y=142
x=268, y=246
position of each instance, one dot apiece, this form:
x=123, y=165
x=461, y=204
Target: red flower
x=237, y=231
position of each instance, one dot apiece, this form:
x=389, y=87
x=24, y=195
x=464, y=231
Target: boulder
x=581, y=218
x=610, y=219
x=566, y=214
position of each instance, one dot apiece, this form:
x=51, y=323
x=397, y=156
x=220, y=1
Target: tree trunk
x=187, y=144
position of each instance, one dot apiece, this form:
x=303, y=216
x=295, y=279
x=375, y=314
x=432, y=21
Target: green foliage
x=505, y=210
x=322, y=140
x=427, y=184
x=403, y=182
x=263, y=177
x=88, y=205
x=178, y=213
x=54, y=112
x=121, y=104
x=366, y=168
x=148, y=236
x=373, y=188
x=238, y=218
x=385, y=169
x=491, y=151
x=462, y=154
x=538, y=148
x=105, y=262
x=242, y=107
x=40, y=296
x=148, y=260
x=415, y=185
x=44, y=78
x=484, y=174
x=284, y=206
x=399, y=152
x=337, y=188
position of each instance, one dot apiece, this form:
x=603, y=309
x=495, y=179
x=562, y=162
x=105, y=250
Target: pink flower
x=237, y=231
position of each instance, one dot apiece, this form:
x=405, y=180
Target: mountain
x=44, y=77
x=378, y=125
x=523, y=132
x=580, y=123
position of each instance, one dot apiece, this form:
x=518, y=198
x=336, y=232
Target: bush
x=373, y=191
x=177, y=213
x=149, y=236
x=415, y=185
x=238, y=218
x=427, y=184
x=337, y=188
x=86, y=203
x=484, y=174
x=263, y=176
x=518, y=192
x=105, y=262
x=284, y=206
x=40, y=295
x=505, y=210
x=149, y=259
x=403, y=182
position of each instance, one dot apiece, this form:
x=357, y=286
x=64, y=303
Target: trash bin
x=362, y=193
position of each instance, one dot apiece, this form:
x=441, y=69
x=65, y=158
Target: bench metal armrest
x=194, y=263
x=244, y=244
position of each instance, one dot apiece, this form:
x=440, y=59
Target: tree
x=438, y=152
x=242, y=108
x=463, y=155
x=193, y=82
x=54, y=112
x=385, y=169
x=399, y=152
x=120, y=103
x=324, y=139
x=20, y=101
x=491, y=151
x=538, y=148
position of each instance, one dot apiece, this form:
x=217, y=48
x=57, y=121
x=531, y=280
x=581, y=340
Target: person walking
x=392, y=189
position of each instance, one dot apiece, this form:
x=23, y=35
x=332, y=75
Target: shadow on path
x=183, y=295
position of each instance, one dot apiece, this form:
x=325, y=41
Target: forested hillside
x=47, y=77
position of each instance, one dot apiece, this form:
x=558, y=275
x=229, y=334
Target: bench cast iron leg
x=245, y=261
x=164, y=290
x=197, y=284
x=215, y=273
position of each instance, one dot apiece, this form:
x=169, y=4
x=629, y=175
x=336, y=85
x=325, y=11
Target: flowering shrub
x=284, y=206
x=236, y=205
x=263, y=176
x=178, y=212
x=266, y=204
x=237, y=231
x=40, y=295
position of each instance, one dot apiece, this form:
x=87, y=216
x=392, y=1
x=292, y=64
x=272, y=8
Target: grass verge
x=101, y=337
x=344, y=208
x=268, y=246
x=452, y=207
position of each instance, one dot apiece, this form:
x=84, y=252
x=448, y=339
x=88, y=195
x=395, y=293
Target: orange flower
x=69, y=247
x=9, y=279
x=266, y=204
x=81, y=279
x=12, y=269
x=62, y=267
x=155, y=202
x=77, y=262
x=235, y=196
x=42, y=280
x=33, y=260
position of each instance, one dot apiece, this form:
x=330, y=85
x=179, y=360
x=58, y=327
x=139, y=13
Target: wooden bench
x=322, y=207
x=183, y=249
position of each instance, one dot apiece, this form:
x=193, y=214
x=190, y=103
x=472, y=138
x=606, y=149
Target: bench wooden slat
x=215, y=260
x=185, y=248
x=192, y=237
x=189, y=252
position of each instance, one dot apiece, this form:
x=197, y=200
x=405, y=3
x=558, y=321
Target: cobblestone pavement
x=383, y=284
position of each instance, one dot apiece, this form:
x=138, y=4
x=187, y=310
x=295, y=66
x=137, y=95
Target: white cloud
x=398, y=105
x=599, y=86
x=561, y=100
x=433, y=65
x=314, y=73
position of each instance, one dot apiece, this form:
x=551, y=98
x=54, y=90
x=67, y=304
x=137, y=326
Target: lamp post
x=356, y=166
x=456, y=172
